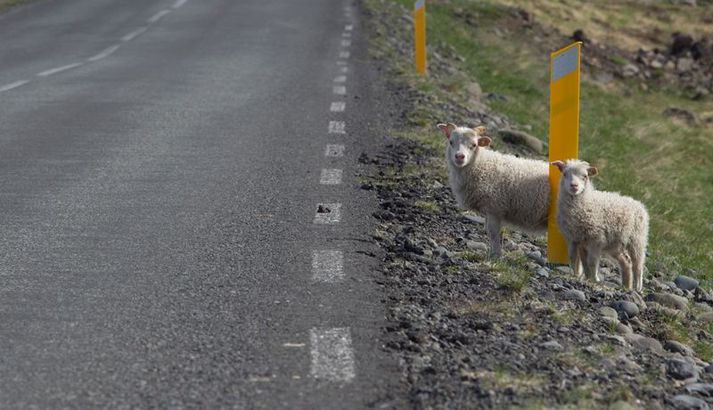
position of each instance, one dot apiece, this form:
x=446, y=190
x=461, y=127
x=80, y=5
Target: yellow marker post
x=419, y=31
x=564, y=135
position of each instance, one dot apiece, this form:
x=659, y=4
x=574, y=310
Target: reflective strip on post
x=564, y=135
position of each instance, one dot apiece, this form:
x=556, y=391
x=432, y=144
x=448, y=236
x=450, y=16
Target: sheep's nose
x=574, y=186
x=460, y=156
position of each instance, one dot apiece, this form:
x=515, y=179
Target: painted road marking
x=59, y=69
x=348, y=27
x=347, y=34
x=339, y=89
x=293, y=344
x=179, y=4
x=337, y=106
x=134, y=34
x=336, y=127
x=340, y=79
x=332, y=354
x=331, y=177
x=341, y=63
x=344, y=54
x=334, y=150
x=104, y=54
x=344, y=69
x=328, y=214
x=327, y=266
x=13, y=85
x=158, y=16
x=346, y=43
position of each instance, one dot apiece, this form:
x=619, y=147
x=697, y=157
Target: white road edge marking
x=338, y=106
x=134, y=34
x=340, y=79
x=339, y=89
x=332, y=354
x=327, y=218
x=344, y=54
x=58, y=69
x=331, y=176
x=11, y=86
x=104, y=54
x=334, y=150
x=327, y=266
x=158, y=16
x=179, y=3
x=336, y=127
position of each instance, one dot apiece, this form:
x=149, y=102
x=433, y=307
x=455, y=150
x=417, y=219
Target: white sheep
x=597, y=222
x=503, y=187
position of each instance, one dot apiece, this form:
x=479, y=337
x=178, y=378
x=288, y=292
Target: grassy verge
x=6, y=4
x=666, y=164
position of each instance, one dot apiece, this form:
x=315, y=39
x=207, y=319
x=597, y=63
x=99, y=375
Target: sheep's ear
x=592, y=171
x=484, y=141
x=559, y=165
x=481, y=130
x=447, y=128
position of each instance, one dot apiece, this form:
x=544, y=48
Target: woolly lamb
x=596, y=222
x=503, y=187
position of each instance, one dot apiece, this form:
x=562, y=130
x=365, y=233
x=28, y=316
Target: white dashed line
x=334, y=150
x=328, y=214
x=339, y=90
x=134, y=34
x=104, y=54
x=337, y=106
x=344, y=54
x=347, y=34
x=348, y=27
x=158, y=16
x=332, y=354
x=13, y=85
x=179, y=4
x=58, y=69
x=343, y=69
x=327, y=266
x=331, y=177
x=341, y=63
x=336, y=127
x=293, y=344
x=346, y=43
x=340, y=79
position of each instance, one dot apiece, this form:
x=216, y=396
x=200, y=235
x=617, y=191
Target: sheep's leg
x=591, y=267
x=575, y=259
x=493, y=226
x=638, y=253
x=625, y=268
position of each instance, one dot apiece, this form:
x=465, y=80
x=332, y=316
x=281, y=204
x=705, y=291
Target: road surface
x=162, y=164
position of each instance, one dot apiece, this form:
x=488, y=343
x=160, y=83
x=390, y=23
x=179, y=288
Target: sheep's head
x=463, y=143
x=575, y=175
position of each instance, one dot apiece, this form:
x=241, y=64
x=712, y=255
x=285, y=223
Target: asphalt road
x=158, y=200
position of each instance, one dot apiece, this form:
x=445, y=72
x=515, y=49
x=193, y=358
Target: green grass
x=512, y=273
x=6, y=4
x=640, y=153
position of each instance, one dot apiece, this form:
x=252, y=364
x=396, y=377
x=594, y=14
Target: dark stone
x=686, y=282
x=680, y=369
x=625, y=309
x=681, y=43
x=683, y=401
